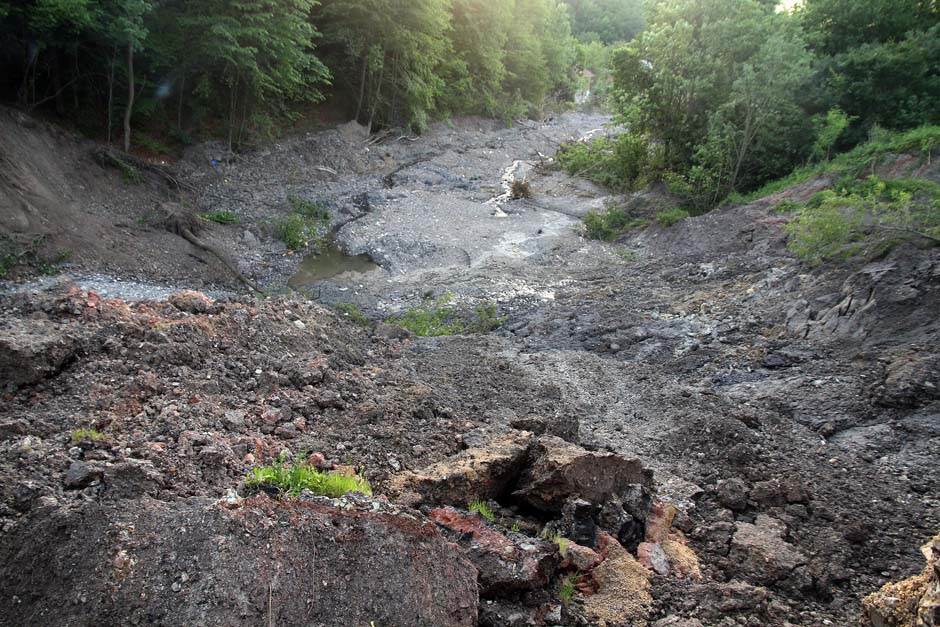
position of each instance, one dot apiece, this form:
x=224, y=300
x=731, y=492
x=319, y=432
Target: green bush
x=294, y=231
x=609, y=224
x=872, y=214
x=671, y=216
x=292, y=479
x=309, y=209
x=623, y=163
x=486, y=319
x=431, y=319
x=92, y=435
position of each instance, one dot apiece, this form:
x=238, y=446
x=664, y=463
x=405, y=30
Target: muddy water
x=332, y=261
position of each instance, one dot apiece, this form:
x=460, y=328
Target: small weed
x=293, y=231
x=567, y=589
x=221, y=217
x=671, y=216
x=352, y=311
x=786, y=207
x=92, y=435
x=561, y=541
x=309, y=209
x=300, y=226
x=516, y=527
x=292, y=479
x=520, y=188
x=481, y=508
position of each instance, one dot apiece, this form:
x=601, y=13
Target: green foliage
x=609, y=224
x=292, y=479
x=828, y=130
x=872, y=214
x=561, y=542
x=303, y=224
x=610, y=21
x=623, y=163
x=567, y=589
x=433, y=318
x=221, y=216
x=352, y=311
x=481, y=508
x=90, y=435
x=669, y=217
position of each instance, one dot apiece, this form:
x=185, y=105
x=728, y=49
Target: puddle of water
x=332, y=261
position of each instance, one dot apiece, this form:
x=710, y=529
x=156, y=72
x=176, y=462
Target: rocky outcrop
x=257, y=561
x=914, y=602
x=760, y=551
x=33, y=350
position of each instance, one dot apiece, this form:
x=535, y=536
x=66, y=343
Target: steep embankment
x=789, y=414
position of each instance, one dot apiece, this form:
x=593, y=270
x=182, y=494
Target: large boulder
x=760, y=551
x=32, y=350
x=559, y=470
x=479, y=473
x=256, y=561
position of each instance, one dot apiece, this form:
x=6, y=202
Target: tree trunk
x=130, y=97
x=375, y=100
x=179, y=105
x=362, y=86
x=111, y=93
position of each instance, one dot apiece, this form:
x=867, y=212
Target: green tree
x=609, y=21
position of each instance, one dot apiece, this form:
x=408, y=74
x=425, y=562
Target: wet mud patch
x=330, y=262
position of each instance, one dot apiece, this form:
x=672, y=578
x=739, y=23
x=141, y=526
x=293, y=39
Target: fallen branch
x=126, y=162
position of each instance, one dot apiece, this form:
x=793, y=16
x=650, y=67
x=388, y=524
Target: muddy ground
x=792, y=413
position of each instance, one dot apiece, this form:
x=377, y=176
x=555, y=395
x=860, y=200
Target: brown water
x=332, y=261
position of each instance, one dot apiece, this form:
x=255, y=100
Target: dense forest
x=245, y=68
x=719, y=96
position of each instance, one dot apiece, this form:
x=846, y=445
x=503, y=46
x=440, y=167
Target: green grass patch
x=670, y=217
x=292, y=479
x=90, y=435
x=221, y=217
x=352, y=311
x=437, y=317
x=484, y=511
x=310, y=209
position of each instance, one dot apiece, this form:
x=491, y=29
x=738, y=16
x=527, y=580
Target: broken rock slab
x=760, y=552
x=559, y=470
x=254, y=561
x=507, y=563
x=478, y=473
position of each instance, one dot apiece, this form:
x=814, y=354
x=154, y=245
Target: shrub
x=313, y=210
x=294, y=231
x=520, y=188
x=874, y=213
x=486, y=319
x=623, y=163
x=607, y=225
x=671, y=216
x=292, y=479
x=91, y=435
x=221, y=217
x=481, y=508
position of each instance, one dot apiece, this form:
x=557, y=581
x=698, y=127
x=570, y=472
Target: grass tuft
x=481, y=508
x=567, y=589
x=91, y=435
x=352, y=311
x=292, y=479
x=220, y=217
x=609, y=224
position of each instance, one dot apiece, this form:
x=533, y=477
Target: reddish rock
x=580, y=557
x=560, y=470
x=653, y=557
x=506, y=564
x=659, y=521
